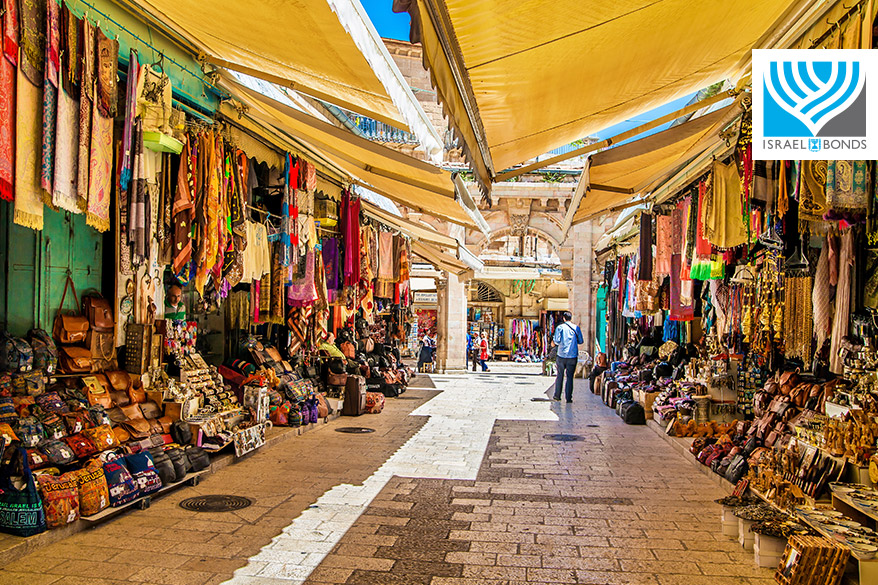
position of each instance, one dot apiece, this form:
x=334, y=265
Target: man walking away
x=568, y=337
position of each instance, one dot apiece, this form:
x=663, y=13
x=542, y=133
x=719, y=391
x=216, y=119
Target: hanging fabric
x=847, y=184
x=130, y=109
x=840, y=323
x=138, y=201
x=86, y=98
x=644, y=271
x=28, y=192
x=724, y=221
x=8, y=72
x=820, y=297
x=350, y=232
x=100, y=176
x=663, y=245
x=107, y=73
x=183, y=212
x=50, y=99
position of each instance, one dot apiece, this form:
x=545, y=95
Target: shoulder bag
x=21, y=511
x=69, y=329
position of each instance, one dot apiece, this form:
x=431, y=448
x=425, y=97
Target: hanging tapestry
x=28, y=198
x=86, y=97
x=847, y=184
x=183, y=211
x=812, y=192
x=71, y=29
x=32, y=41
x=302, y=292
x=130, y=108
x=100, y=176
x=107, y=63
x=66, y=155
x=50, y=99
x=8, y=64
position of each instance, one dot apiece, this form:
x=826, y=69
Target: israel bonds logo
x=812, y=104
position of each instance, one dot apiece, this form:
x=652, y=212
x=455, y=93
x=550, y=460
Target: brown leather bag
x=74, y=360
x=103, y=350
x=72, y=328
x=322, y=406
x=120, y=398
x=119, y=380
x=336, y=379
x=166, y=423
x=787, y=381
x=121, y=434
x=800, y=393
x=138, y=428
x=99, y=314
x=150, y=409
x=99, y=396
x=133, y=412
x=136, y=392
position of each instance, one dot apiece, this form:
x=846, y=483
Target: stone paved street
x=454, y=488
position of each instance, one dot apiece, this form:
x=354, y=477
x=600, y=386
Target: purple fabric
x=331, y=264
x=302, y=292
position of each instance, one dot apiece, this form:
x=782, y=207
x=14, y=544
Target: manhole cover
x=408, y=397
x=354, y=430
x=564, y=438
x=541, y=400
x=216, y=503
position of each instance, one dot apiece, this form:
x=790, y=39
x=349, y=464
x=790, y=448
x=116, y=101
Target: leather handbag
x=120, y=398
x=120, y=380
x=117, y=415
x=99, y=396
x=102, y=346
x=198, y=458
x=136, y=393
x=151, y=410
x=68, y=329
x=122, y=436
x=138, y=428
x=98, y=312
x=787, y=381
x=166, y=423
x=132, y=411
x=75, y=360
x=336, y=379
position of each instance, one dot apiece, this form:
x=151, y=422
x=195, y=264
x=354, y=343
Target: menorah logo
x=813, y=94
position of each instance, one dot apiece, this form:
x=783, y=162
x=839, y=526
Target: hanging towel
x=644, y=271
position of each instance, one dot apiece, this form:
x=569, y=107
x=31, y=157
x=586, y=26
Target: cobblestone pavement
x=467, y=491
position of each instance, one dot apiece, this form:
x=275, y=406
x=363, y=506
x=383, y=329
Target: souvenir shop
x=741, y=315
x=242, y=289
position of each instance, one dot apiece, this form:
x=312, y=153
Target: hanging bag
x=72, y=328
x=21, y=511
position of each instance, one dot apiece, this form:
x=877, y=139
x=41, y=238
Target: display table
x=502, y=353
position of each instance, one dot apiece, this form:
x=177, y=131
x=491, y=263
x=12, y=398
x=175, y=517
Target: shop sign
x=813, y=104
x=426, y=298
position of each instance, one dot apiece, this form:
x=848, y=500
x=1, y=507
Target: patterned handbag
x=58, y=452
x=121, y=485
x=60, y=499
x=142, y=469
x=102, y=437
x=81, y=445
x=30, y=431
x=94, y=495
x=21, y=511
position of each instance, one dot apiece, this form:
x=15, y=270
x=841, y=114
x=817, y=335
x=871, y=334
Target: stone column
x=582, y=297
x=441, y=323
x=455, y=325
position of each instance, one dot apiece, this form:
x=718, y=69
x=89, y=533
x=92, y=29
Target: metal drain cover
x=541, y=399
x=408, y=397
x=564, y=438
x=215, y=503
x=354, y=430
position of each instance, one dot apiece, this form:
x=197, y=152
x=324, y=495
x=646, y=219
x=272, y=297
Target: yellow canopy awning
x=618, y=175
x=440, y=259
x=297, y=43
x=521, y=77
x=411, y=229
x=401, y=178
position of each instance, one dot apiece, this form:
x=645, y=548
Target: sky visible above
x=388, y=24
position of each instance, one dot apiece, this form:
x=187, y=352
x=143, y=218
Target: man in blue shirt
x=568, y=337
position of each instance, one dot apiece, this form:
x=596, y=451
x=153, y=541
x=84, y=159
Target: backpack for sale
x=633, y=414
x=16, y=354
x=181, y=433
x=45, y=351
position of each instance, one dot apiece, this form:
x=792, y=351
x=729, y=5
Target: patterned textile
x=86, y=97
x=50, y=99
x=100, y=175
x=28, y=193
x=265, y=297
x=350, y=229
x=70, y=50
x=32, y=20
x=820, y=297
x=64, y=183
x=840, y=323
x=8, y=63
x=107, y=64
x=680, y=309
x=285, y=242
x=330, y=253
x=302, y=292
x=385, y=256
x=254, y=299
x=276, y=314
x=812, y=192
x=130, y=108
x=847, y=184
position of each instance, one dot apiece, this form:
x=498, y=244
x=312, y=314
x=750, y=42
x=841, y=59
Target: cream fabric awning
x=618, y=175
x=440, y=259
x=401, y=178
x=297, y=43
x=411, y=229
x=521, y=77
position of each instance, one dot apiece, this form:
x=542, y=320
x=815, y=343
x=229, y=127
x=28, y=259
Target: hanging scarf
x=663, y=245
x=182, y=212
x=33, y=40
x=303, y=292
x=236, y=197
x=138, y=200
x=71, y=29
x=840, y=322
x=86, y=96
x=107, y=64
x=724, y=224
x=64, y=195
x=222, y=211
x=8, y=64
x=330, y=254
x=644, y=271
x=820, y=297
x=130, y=109
x=50, y=98
x=812, y=200
x=278, y=279
x=680, y=310
x=100, y=176
x=285, y=242
x=28, y=193
x=385, y=256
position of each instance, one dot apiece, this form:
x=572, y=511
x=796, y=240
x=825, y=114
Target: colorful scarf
x=183, y=212
x=100, y=175
x=86, y=96
x=28, y=193
x=8, y=64
x=303, y=292
x=285, y=242
x=663, y=245
x=350, y=231
x=276, y=314
x=644, y=271
x=130, y=108
x=50, y=98
x=820, y=297
x=385, y=256
x=107, y=64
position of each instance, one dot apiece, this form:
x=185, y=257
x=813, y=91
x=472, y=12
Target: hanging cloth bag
x=21, y=511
